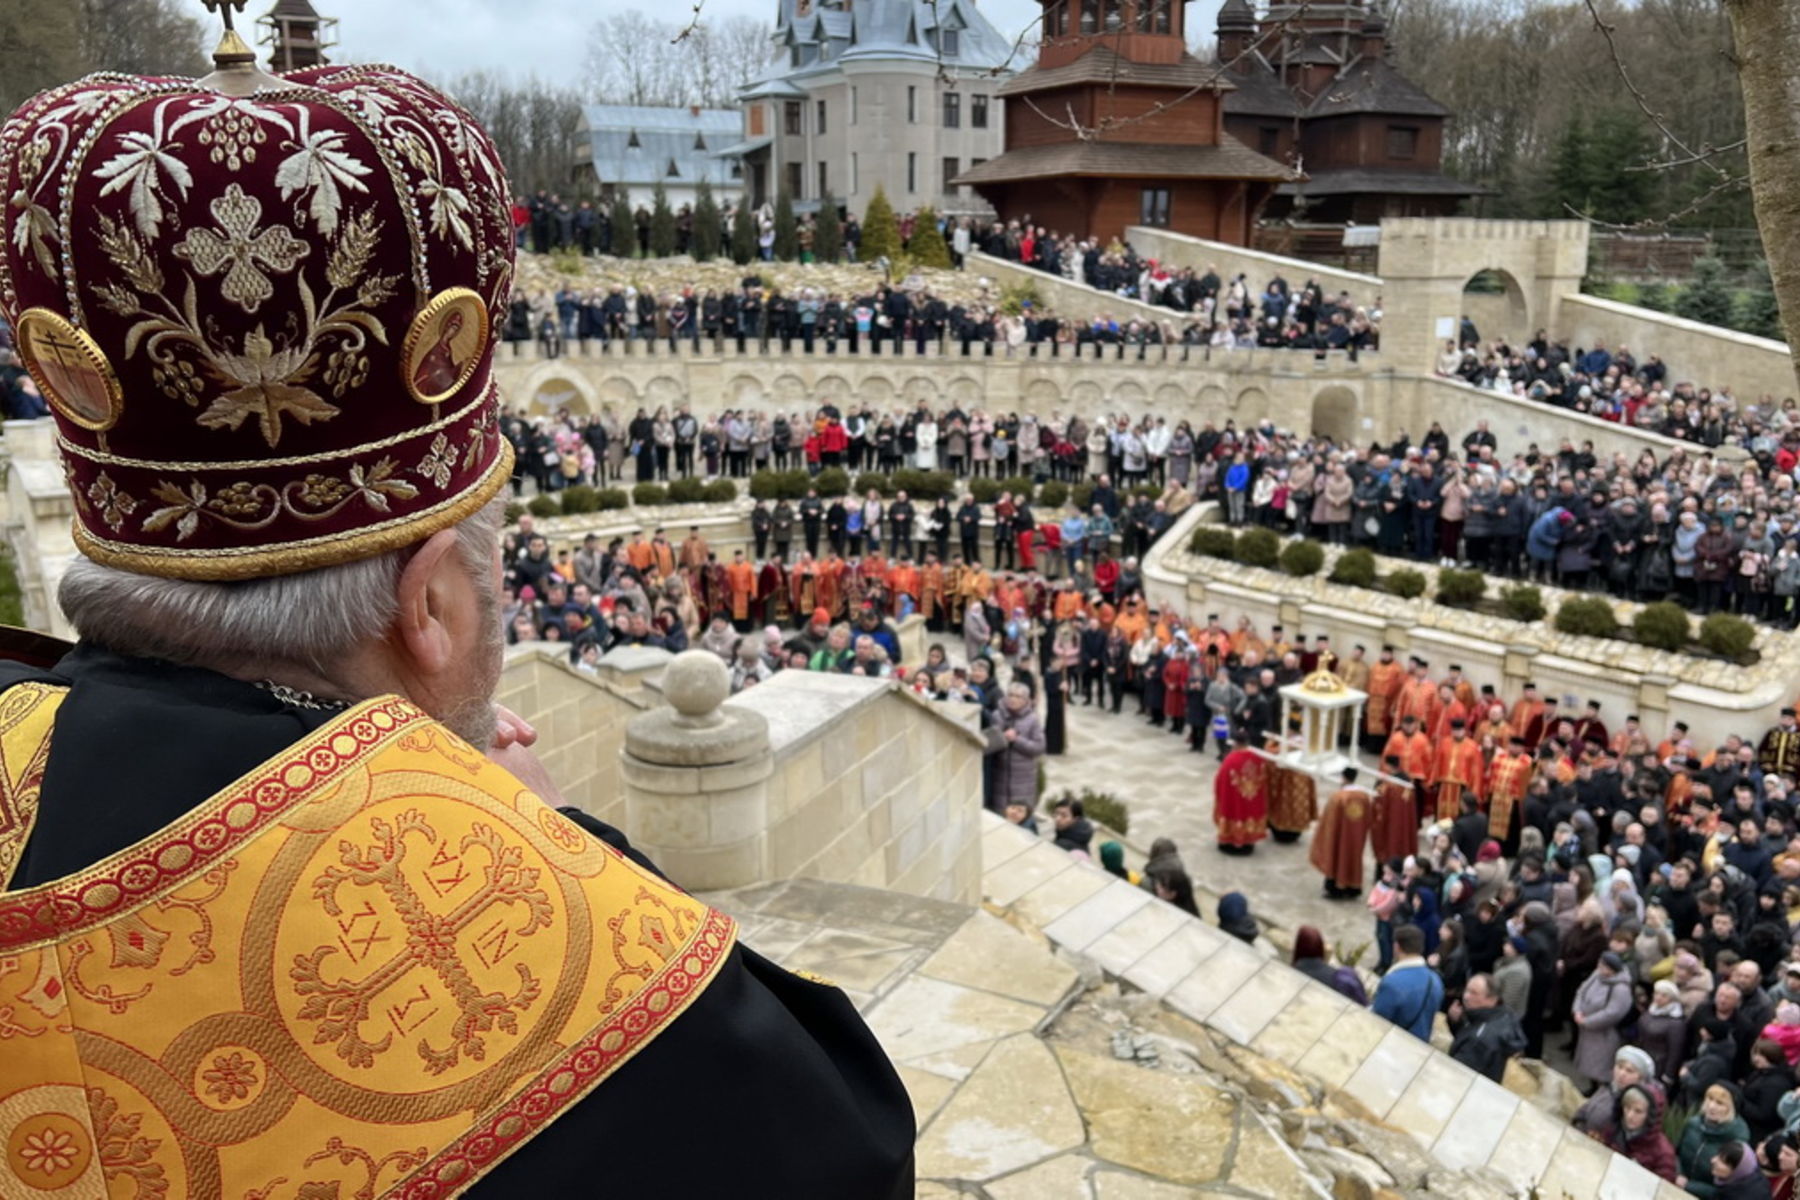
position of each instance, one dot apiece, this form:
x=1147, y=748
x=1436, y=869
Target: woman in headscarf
x=1310, y=960
x=1662, y=1029
x=1693, y=980
x=1638, y=1134
x=1163, y=856
x=1235, y=918
x=1112, y=860
x=1173, y=885
x=1621, y=902
x=721, y=639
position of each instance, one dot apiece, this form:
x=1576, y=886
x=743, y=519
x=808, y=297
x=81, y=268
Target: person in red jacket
x=1638, y=1134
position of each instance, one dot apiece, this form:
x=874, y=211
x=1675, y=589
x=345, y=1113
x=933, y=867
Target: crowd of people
x=1713, y=532
x=1540, y=870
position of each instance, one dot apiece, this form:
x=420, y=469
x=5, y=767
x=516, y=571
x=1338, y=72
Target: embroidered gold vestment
x=375, y=965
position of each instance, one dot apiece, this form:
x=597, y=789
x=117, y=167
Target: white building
x=901, y=93
x=636, y=147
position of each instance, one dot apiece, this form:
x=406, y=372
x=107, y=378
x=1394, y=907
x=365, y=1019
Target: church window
x=949, y=42
x=1115, y=16
x=952, y=110
x=672, y=172
x=1268, y=140
x=978, y=112
x=699, y=141
x=1153, y=207
x=1090, y=16
x=631, y=141
x=1402, y=143
x=820, y=128
x=790, y=118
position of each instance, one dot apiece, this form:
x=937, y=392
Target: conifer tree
x=927, y=245
x=624, y=225
x=705, y=240
x=787, y=241
x=880, y=231
x=743, y=232
x=828, y=231
x=1707, y=297
x=1757, y=311
x=662, y=224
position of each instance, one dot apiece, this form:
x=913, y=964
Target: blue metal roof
x=684, y=139
x=881, y=29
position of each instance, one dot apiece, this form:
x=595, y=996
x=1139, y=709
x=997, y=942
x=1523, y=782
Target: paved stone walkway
x=1169, y=791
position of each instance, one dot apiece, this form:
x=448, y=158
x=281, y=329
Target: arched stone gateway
x=1088, y=399
x=556, y=394
x=618, y=392
x=1213, y=404
x=1130, y=396
x=1171, y=398
x=1252, y=406
x=876, y=390
x=965, y=393
x=1334, y=414
x=921, y=389
x=1425, y=262
x=832, y=389
x=1042, y=394
x=1494, y=303
x=790, y=390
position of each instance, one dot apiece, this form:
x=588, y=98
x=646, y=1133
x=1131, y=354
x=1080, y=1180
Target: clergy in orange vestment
x=1410, y=745
x=1240, y=799
x=903, y=580
x=740, y=577
x=1337, y=845
x=1417, y=697
x=662, y=555
x=1394, y=822
x=1509, y=775
x=831, y=586
x=1458, y=769
x=932, y=604
x=1528, y=709
x=1464, y=690
x=639, y=554
x=1385, y=678
x=694, y=550
x=1068, y=603
x=1450, y=711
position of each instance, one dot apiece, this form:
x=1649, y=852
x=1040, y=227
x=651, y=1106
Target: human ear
x=433, y=588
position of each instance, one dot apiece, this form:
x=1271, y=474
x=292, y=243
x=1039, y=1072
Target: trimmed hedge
x=544, y=505
x=1053, y=494
x=1727, y=635
x=1587, y=616
x=1460, y=589
x=1523, y=603
x=1019, y=485
x=579, y=499
x=687, y=491
x=874, y=481
x=1663, y=625
x=1355, y=568
x=1214, y=541
x=721, y=491
x=1303, y=558
x=924, y=485
x=1258, y=548
x=649, y=494
x=514, y=510
x=779, y=485
x=984, y=489
x=1405, y=583
x=832, y=481
x=1082, y=496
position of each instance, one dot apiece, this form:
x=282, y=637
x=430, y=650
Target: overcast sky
x=443, y=37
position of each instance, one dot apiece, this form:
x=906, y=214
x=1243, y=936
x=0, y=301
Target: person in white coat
x=1156, y=448
x=925, y=458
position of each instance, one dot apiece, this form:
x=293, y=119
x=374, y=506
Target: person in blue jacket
x=1237, y=490
x=1544, y=536
x=1411, y=992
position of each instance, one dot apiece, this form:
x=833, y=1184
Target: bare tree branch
x=1704, y=153
x=1643, y=101
x=1726, y=185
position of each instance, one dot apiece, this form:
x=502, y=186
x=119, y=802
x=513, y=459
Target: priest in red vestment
x=1458, y=769
x=1509, y=776
x=1337, y=846
x=1293, y=803
x=1385, y=678
x=1394, y=823
x=1175, y=683
x=1240, y=799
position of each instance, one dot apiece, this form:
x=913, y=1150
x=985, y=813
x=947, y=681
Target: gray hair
x=309, y=618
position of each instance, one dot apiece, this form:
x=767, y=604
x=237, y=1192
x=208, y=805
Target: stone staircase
x=1358, y=1062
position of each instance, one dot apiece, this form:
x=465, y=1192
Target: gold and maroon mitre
x=264, y=321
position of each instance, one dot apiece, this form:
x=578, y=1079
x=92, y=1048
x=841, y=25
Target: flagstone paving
x=1169, y=790
x=1033, y=1075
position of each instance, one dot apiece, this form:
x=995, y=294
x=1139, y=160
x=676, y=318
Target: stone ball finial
x=696, y=683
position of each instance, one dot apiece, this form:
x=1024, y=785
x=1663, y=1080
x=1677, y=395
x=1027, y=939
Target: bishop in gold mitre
x=290, y=909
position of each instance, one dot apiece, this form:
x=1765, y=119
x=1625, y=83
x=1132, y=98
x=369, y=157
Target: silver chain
x=295, y=698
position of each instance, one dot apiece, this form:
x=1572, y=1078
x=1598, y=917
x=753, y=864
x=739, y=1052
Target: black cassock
x=768, y=1085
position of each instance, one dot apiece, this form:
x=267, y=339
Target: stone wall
x=872, y=786
x=1752, y=367
x=1715, y=698
x=1180, y=250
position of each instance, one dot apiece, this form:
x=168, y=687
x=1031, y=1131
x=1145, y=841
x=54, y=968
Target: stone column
x=696, y=776
x=1653, y=701
x=1516, y=669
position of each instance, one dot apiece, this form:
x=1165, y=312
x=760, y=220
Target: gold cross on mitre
x=237, y=73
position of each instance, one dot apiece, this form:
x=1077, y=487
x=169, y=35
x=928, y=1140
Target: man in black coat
x=1485, y=1033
